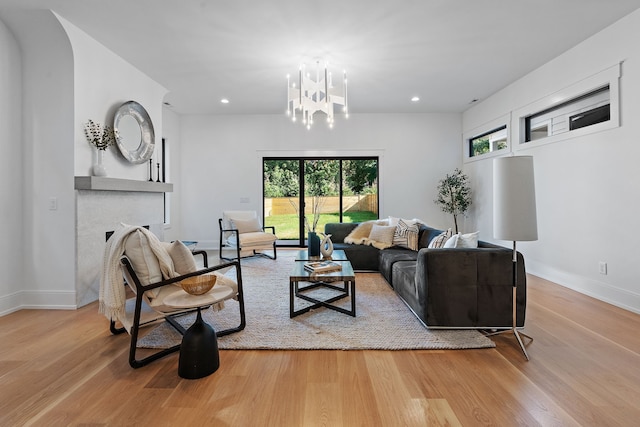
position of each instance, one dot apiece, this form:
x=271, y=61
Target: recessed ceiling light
x=415, y=99
x=224, y=100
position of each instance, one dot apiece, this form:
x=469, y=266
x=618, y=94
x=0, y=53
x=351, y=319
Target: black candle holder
x=158, y=165
x=150, y=170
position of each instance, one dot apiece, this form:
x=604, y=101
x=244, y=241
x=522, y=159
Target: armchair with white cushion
x=153, y=271
x=242, y=232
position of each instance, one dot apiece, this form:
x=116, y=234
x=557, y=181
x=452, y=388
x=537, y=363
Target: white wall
x=51, y=90
x=102, y=82
x=48, y=256
x=222, y=155
x=171, y=133
x=587, y=188
x=11, y=187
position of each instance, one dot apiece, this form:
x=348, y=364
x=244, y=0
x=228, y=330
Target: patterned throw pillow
x=406, y=234
x=439, y=241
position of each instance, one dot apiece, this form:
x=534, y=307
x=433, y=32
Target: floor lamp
x=514, y=214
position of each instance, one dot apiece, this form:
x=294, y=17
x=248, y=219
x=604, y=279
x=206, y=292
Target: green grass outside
x=287, y=225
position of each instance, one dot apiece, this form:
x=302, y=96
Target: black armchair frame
x=171, y=318
x=238, y=247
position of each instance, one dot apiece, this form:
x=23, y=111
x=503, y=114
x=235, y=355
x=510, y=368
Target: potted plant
x=454, y=195
x=100, y=137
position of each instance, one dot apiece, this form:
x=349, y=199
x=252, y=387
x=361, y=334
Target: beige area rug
x=383, y=321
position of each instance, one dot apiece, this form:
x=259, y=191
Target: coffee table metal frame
x=325, y=280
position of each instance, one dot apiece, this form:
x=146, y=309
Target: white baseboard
x=208, y=245
x=39, y=300
x=603, y=291
x=10, y=303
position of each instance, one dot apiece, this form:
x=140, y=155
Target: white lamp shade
x=514, y=199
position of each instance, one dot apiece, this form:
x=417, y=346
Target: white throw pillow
x=469, y=240
x=182, y=257
x=143, y=260
x=246, y=225
x=452, y=242
x=439, y=241
x=382, y=234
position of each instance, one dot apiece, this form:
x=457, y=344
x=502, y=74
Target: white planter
x=98, y=168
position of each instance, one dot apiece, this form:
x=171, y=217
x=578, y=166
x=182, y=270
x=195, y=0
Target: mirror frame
x=147, y=136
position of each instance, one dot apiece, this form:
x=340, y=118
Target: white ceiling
x=447, y=52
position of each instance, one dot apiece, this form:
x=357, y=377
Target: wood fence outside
x=330, y=204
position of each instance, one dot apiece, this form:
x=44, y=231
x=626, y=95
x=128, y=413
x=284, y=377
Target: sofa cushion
x=403, y=274
x=426, y=235
x=339, y=230
x=362, y=257
x=388, y=257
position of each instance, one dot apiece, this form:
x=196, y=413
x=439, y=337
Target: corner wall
x=587, y=187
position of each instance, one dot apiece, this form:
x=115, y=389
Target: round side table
x=199, y=355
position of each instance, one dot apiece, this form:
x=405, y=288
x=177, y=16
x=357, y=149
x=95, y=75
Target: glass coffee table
x=337, y=256
x=322, y=280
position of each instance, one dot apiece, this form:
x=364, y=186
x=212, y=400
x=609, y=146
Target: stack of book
x=322, y=266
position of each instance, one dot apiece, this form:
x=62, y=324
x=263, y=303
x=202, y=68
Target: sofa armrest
x=469, y=287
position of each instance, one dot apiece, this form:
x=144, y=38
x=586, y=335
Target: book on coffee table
x=322, y=266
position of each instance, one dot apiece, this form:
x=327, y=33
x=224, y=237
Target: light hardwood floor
x=65, y=368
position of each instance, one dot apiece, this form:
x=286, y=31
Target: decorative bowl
x=199, y=285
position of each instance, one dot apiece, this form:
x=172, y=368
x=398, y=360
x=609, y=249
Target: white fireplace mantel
x=101, y=183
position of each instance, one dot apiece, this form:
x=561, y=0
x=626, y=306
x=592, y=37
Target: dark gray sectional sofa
x=445, y=288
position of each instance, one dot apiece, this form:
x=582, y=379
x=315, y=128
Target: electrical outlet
x=602, y=267
x=53, y=203
x=244, y=200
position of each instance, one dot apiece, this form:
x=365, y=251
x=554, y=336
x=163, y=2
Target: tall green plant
x=454, y=195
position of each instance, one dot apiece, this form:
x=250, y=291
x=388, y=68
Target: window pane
x=583, y=111
x=360, y=190
x=488, y=142
x=321, y=191
x=281, y=197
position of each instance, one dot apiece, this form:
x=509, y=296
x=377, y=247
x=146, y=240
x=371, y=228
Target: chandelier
x=311, y=96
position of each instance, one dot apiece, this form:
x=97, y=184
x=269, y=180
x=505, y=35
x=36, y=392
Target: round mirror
x=134, y=132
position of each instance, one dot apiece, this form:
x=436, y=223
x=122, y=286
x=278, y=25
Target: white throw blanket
x=112, y=291
x=360, y=235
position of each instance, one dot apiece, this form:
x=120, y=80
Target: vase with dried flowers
x=100, y=137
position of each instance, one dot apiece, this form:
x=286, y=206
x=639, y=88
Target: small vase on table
x=326, y=246
x=313, y=242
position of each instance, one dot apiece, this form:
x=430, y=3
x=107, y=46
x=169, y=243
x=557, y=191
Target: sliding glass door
x=303, y=194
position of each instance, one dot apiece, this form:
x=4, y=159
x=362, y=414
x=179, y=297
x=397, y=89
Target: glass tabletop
x=301, y=273
x=337, y=255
